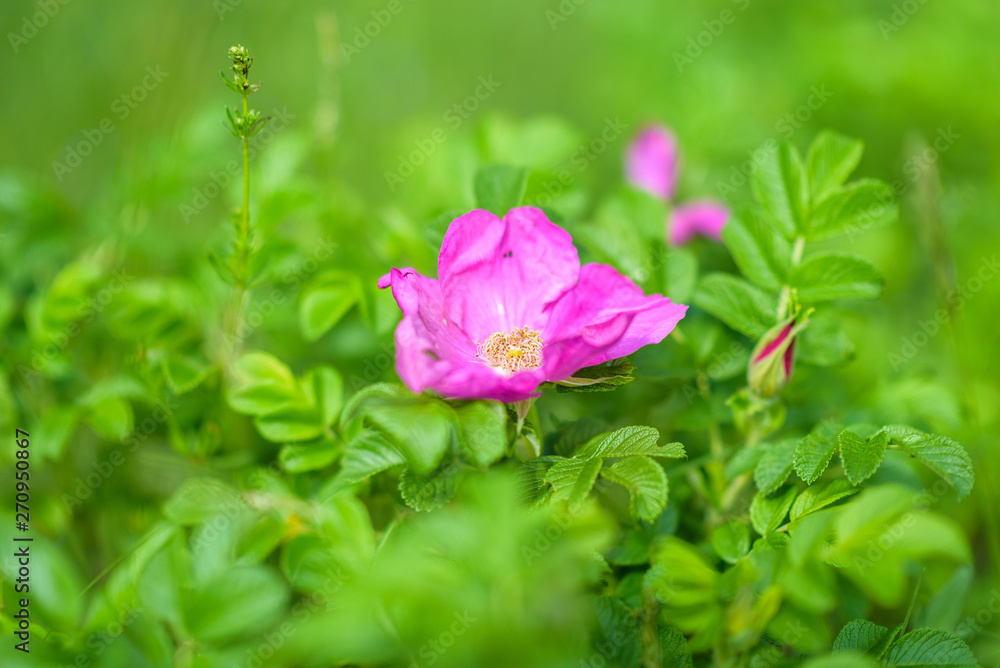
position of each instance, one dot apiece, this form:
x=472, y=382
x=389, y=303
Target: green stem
x=245, y=213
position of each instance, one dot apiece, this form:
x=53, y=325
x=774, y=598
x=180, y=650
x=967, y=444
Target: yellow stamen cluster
x=513, y=351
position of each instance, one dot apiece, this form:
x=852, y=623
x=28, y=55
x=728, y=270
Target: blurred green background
x=350, y=108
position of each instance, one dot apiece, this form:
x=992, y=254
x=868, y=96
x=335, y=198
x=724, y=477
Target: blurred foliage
x=293, y=507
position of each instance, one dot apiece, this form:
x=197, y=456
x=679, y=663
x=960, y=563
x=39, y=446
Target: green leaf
x=185, y=372
x=500, y=188
x=238, y=601
x=824, y=343
x=309, y=457
x=929, y=648
x=841, y=661
x=112, y=418
x=674, y=650
x=861, y=457
x=482, y=431
x=861, y=206
x=759, y=249
x=945, y=456
x=828, y=276
x=369, y=454
x=767, y=513
x=418, y=426
x=632, y=441
x=819, y=496
x=732, y=300
x=832, y=158
x=261, y=383
x=290, y=423
x=945, y=610
x=780, y=186
x=201, y=498
x=599, y=378
x=572, y=479
x=431, y=491
x=646, y=482
x=326, y=301
x=815, y=451
x=860, y=636
x=620, y=629
x=774, y=466
x=326, y=385
x=731, y=541
x=680, y=273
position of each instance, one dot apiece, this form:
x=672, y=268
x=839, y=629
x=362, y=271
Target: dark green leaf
x=646, y=482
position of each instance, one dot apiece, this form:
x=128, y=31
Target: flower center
x=513, y=351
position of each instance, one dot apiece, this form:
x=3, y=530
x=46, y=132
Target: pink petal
x=705, y=218
x=604, y=317
x=651, y=162
x=428, y=344
x=498, y=275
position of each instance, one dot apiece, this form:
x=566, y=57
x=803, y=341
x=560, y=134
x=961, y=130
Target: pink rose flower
x=512, y=308
x=652, y=164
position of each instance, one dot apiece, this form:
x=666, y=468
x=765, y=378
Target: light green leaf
x=112, y=418
x=828, y=276
x=759, y=249
x=775, y=465
x=819, y=496
x=482, y=431
x=632, y=441
x=237, y=601
x=646, y=482
x=572, y=479
x=731, y=541
x=326, y=385
x=309, y=457
x=290, y=423
x=261, y=383
x=185, y=372
x=781, y=187
x=929, y=648
x=861, y=457
x=500, y=188
x=824, y=343
x=325, y=302
x=367, y=455
x=832, y=158
x=861, y=206
x=767, y=513
x=732, y=300
x=815, y=451
x=680, y=273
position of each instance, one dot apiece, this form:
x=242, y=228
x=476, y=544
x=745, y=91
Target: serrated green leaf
x=674, y=650
x=814, y=451
x=860, y=636
x=621, y=642
x=600, y=378
x=420, y=427
x=945, y=456
x=780, y=185
x=929, y=648
x=431, y=491
x=731, y=541
x=630, y=442
x=742, y=306
x=774, y=466
x=261, y=383
x=819, y=496
x=761, y=252
x=646, y=482
x=832, y=158
x=572, y=479
x=744, y=461
x=367, y=455
x=768, y=512
x=861, y=457
x=858, y=207
x=829, y=276
x=500, y=188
